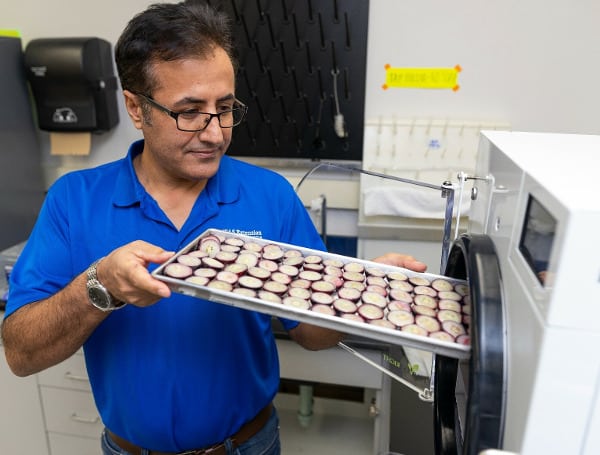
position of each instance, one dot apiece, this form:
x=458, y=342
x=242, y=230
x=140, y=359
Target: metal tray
x=362, y=329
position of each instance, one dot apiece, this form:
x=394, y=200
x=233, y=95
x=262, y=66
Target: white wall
x=532, y=64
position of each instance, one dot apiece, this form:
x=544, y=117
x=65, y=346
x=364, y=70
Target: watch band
x=98, y=295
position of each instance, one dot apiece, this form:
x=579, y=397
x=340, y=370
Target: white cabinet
x=22, y=427
x=72, y=421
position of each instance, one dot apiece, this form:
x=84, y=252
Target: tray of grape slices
x=364, y=298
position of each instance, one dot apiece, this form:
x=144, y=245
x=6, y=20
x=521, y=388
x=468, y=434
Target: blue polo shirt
x=183, y=373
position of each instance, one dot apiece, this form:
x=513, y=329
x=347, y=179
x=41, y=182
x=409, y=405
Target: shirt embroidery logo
x=253, y=233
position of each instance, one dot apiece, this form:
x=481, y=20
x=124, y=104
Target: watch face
x=99, y=297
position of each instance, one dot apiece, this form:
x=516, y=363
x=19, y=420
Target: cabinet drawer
x=61, y=444
x=71, y=412
x=69, y=374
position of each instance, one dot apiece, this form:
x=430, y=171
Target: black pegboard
x=288, y=52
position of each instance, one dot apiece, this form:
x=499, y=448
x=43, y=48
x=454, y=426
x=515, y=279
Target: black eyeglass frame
x=175, y=115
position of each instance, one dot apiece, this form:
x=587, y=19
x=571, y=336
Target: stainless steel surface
x=396, y=337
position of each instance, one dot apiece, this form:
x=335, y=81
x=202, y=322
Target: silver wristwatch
x=98, y=294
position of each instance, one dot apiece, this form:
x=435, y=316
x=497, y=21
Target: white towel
x=413, y=202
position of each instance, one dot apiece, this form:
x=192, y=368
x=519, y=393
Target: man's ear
x=134, y=108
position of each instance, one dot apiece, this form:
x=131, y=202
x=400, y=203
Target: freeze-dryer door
x=470, y=395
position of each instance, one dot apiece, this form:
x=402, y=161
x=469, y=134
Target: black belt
x=246, y=432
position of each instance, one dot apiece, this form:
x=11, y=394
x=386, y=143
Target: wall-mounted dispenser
x=73, y=84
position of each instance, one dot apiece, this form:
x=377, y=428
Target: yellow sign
x=433, y=78
x=11, y=33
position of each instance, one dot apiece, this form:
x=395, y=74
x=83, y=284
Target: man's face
x=203, y=84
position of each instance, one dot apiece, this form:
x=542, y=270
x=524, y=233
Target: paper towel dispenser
x=73, y=84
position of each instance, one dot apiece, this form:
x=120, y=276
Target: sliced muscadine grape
x=332, y=270
x=323, y=309
x=425, y=290
x=228, y=277
x=272, y=254
x=354, y=267
x=439, y=284
x=246, y=292
x=198, y=253
x=349, y=294
x=449, y=305
x=323, y=286
x=419, y=281
x=198, y=280
x=425, y=300
x=442, y=336
x=399, y=294
x=295, y=261
x=370, y=312
x=292, y=253
x=301, y=293
x=313, y=266
x=250, y=282
x=275, y=287
x=234, y=241
x=300, y=283
x=236, y=268
x=396, y=276
x=382, y=323
x=268, y=296
x=376, y=281
x=252, y=246
x=462, y=289
x=377, y=289
x=333, y=262
x=375, y=272
x=429, y=323
x=210, y=244
x=449, y=315
x=177, y=270
x=352, y=317
x=226, y=257
x=212, y=263
x=248, y=258
x=466, y=319
x=259, y=272
x=401, y=285
x=189, y=260
x=296, y=302
x=313, y=259
x=353, y=276
x=289, y=270
x=449, y=295
x=358, y=285
x=399, y=305
x=321, y=298
x=400, y=318
x=281, y=277
x=454, y=328
x=463, y=339
x=205, y=272
x=230, y=248
x=466, y=300
x=267, y=264
x=335, y=280
x=344, y=306
x=466, y=309
x=220, y=285
x=423, y=310
x=415, y=330
x=310, y=275
x=373, y=298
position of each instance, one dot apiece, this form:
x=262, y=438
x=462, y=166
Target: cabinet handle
x=75, y=377
x=77, y=418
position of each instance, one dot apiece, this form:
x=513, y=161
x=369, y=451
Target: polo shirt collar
x=223, y=187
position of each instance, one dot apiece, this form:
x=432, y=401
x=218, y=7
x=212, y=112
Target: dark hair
x=167, y=32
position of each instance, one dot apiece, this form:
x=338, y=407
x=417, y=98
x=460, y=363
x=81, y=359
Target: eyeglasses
x=192, y=121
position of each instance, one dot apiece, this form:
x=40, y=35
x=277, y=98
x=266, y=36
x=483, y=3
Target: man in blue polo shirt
x=169, y=373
